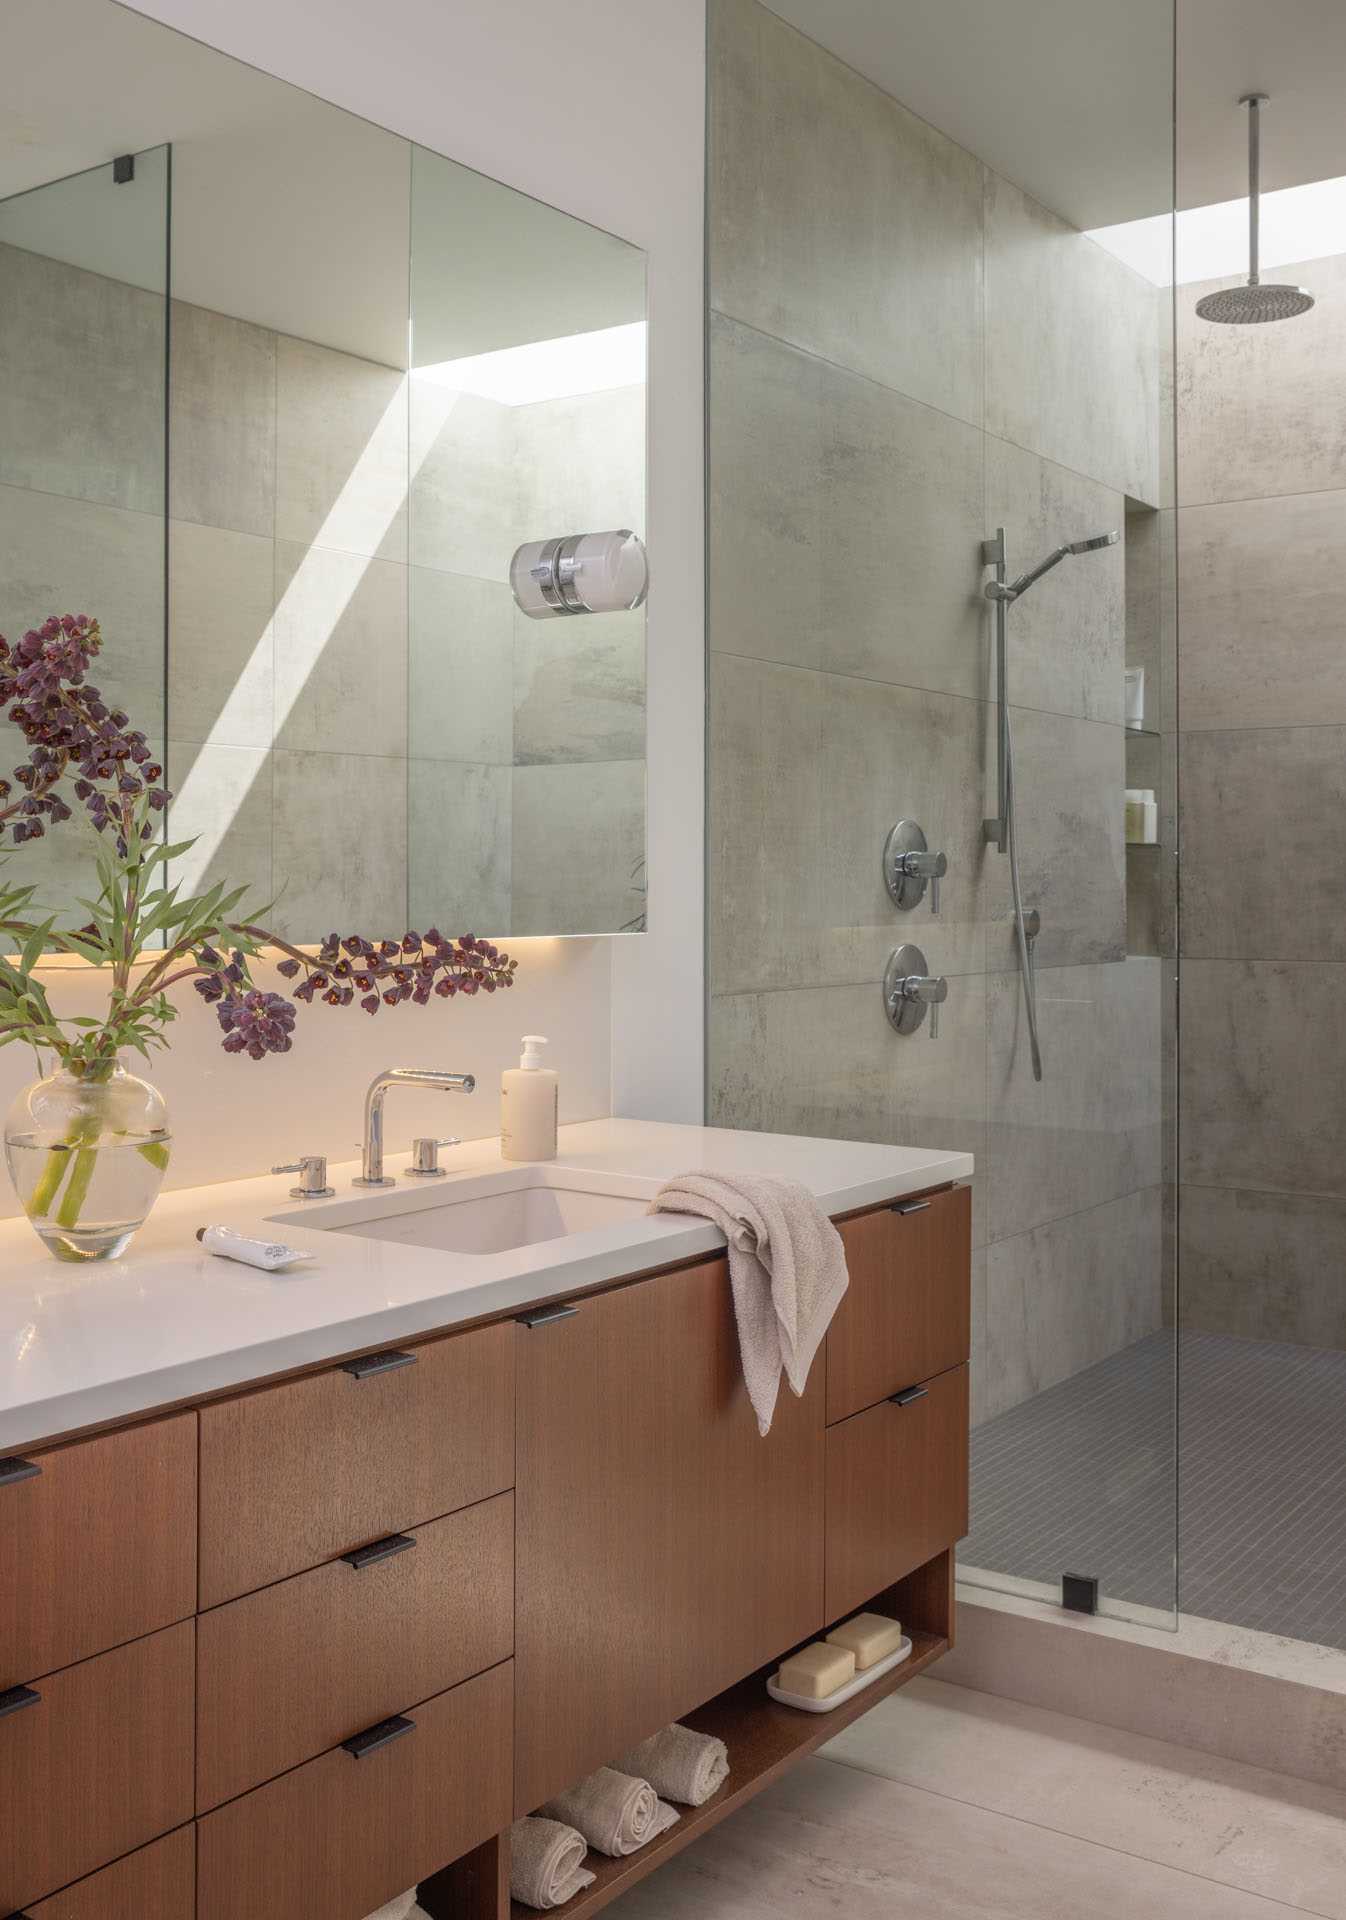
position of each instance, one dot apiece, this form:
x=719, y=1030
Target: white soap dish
x=851, y=1688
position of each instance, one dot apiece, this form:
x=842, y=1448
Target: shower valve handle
x=923, y=866
x=908, y=993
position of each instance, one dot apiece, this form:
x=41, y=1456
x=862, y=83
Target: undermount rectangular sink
x=487, y=1213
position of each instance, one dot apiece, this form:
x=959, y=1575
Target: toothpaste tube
x=269, y=1255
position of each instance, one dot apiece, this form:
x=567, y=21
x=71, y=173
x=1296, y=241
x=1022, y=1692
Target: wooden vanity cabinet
x=664, y=1547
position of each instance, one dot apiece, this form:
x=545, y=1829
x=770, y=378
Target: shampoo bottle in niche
x=528, y=1101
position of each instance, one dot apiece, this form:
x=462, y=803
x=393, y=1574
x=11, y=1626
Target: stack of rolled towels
x=616, y=1810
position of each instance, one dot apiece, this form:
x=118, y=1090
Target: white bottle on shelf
x=529, y=1096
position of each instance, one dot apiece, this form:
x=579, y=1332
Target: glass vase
x=87, y=1153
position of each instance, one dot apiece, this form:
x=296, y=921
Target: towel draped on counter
x=787, y=1269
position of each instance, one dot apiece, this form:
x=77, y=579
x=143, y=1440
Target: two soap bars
x=826, y=1666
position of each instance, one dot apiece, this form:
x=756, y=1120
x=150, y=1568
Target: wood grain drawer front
x=294, y=1475
x=339, y=1837
x=99, y=1545
x=896, y=1489
x=285, y=1674
x=158, y=1883
x=98, y=1764
x=907, y=1313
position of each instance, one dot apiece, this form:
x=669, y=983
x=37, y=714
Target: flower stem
x=83, y=1139
x=40, y=1199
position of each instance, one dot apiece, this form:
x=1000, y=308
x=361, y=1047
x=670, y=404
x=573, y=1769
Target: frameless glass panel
x=526, y=789
x=83, y=383
x=932, y=369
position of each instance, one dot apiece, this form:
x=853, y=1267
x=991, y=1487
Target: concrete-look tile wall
x=1261, y=535
x=354, y=713
x=883, y=395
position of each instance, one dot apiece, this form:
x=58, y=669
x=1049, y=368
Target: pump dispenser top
x=532, y=1058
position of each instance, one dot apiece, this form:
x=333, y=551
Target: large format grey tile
x=579, y=688
x=809, y=771
x=828, y=1839
x=221, y=665
x=222, y=421
x=62, y=555
x=1259, y=602
x=1090, y=1131
x=581, y=463
x=1067, y=649
x=82, y=375
x=1068, y=781
x=1264, y=844
x=824, y=1060
x=339, y=845
x=846, y=521
x=1262, y=410
x=578, y=847
x=341, y=652
x=461, y=668
x=1263, y=1075
x=458, y=847
x=1238, y=1825
x=1069, y=1293
x=1263, y=1266
x=839, y=220
x=1072, y=347
x=222, y=799
x=463, y=503
x=341, y=450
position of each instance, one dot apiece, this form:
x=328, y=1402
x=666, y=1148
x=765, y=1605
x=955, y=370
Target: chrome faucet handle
x=425, y=1155
x=312, y=1171
x=908, y=990
x=909, y=866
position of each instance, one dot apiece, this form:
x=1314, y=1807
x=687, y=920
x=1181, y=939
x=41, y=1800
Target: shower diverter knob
x=909, y=867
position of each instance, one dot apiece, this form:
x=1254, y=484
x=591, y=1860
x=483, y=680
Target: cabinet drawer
x=293, y=1475
x=99, y=1545
x=285, y=1674
x=339, y=1837
x=98, y=1764
x=907, y=1312
x=158, y=1883
x=896, y=1489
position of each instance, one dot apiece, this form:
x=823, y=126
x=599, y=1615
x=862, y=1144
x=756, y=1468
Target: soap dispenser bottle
x=528, y=1102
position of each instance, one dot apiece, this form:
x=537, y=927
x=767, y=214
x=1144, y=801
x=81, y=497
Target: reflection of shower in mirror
x=580, y=573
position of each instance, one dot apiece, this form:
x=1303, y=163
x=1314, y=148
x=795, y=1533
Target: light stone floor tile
x=830, y=1840
x=846, y=521
x=1238, y=1825
x=891, y=211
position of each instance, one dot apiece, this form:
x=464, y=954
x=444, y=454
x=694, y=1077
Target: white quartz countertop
x=168, y=1322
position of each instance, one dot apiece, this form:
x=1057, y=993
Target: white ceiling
x=287, y=211
x=1073, y=99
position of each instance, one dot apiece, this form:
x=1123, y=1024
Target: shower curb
x=1253, y=1697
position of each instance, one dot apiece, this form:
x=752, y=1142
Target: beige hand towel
x=546, y=1863
x=615, y=1812
x=403, y=1908
x=787, y=1267
x=680, y=1764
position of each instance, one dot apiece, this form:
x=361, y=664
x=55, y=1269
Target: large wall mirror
x=281, y=398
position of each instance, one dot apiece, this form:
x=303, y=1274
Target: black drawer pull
x=13, y=1470
x=911, y=1206
x=373, y=1363
x=15, y=1698
x=546, y=1315
x=907, y=1395
x=382, y=1735
x=392, y=1543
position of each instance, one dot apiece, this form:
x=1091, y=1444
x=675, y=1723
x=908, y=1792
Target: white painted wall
x=602, y=116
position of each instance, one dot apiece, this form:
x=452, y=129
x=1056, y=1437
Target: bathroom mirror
x=281, y=395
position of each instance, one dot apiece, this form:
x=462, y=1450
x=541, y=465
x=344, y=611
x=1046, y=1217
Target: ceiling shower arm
x=1254, y=103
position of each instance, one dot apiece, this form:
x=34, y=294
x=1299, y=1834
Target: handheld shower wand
x=1002, y=831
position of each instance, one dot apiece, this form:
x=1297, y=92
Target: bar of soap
x=871, y=1637
x=816, y=1671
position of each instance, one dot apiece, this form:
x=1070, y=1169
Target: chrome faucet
x=371, y=1171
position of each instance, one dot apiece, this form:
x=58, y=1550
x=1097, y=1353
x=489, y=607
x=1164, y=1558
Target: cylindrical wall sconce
x=580, y=573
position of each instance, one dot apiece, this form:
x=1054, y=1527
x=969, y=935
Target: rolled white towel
x=615, y=1812
x=546, y=1863
x=403, y=1908
x=680, y=1764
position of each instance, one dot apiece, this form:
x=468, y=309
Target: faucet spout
x=371, y=1167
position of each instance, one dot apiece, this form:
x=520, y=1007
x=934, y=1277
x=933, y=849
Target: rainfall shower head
x=1253, y=304
x=998, y=590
